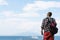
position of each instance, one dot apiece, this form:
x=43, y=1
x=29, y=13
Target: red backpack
x=53, y=28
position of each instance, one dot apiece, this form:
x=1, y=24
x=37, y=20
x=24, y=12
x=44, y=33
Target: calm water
x=24, y=38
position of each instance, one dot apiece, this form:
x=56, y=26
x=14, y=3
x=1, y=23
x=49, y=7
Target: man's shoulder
x=53, y=18
x=47, y=18
x=44, y=19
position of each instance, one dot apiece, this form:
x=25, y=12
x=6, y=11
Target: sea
x=25, y=38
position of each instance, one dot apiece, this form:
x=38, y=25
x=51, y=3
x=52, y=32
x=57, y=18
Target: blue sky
x=24, y=17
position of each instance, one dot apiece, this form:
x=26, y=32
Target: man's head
x=49, y=14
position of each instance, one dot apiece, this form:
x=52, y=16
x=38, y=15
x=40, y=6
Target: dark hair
x=50, y=14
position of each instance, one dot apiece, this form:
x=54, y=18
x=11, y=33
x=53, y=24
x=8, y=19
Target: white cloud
x=13, y=23
x=41, y=5
x=8, y=13
x=24, y=14
x=13, y=26
x=3, y=2
x=27, y=14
